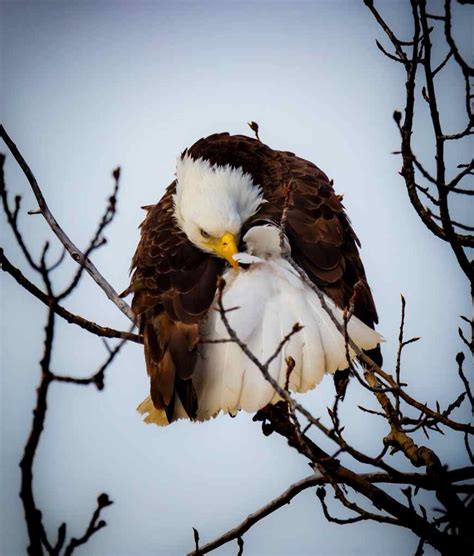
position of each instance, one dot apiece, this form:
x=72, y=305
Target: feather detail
x=270, y=298
x=152, y=415
x=158, y=416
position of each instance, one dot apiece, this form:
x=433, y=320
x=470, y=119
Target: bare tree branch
x=38, y=538
x=75, y=253
x=72, y=318
x=94, y=525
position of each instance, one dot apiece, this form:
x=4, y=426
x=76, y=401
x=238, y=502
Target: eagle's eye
x=205, y=234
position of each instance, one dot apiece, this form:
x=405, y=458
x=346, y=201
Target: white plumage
x=217, y=199
x=271, y=297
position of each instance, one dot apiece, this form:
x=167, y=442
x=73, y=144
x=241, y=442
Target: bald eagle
x=221, y=217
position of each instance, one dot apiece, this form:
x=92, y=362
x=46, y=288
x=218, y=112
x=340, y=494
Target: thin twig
x=462, y=376
x=97, y=240
x=95, y=525
x=399, y=355
x=72, y=318
x=75, y=253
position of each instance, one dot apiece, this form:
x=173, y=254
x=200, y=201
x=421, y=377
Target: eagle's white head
x=212, y=203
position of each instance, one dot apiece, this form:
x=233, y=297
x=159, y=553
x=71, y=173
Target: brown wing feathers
x=174, y=282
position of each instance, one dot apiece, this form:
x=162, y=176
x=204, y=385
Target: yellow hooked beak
x=225, y=247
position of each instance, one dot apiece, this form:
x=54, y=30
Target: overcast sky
x=87, y=86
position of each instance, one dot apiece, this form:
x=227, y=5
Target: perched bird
x=221, y=217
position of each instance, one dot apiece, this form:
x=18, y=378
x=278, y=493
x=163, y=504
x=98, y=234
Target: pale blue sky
x=90, y=85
